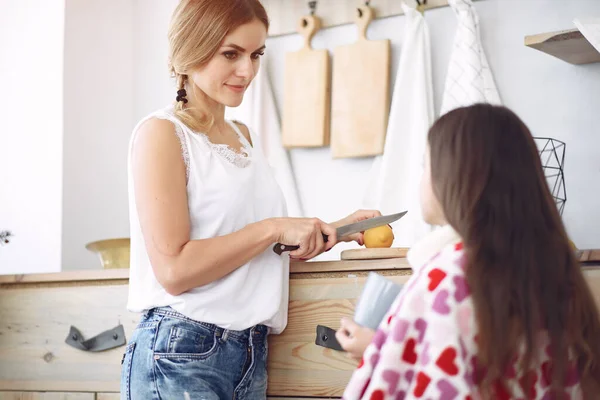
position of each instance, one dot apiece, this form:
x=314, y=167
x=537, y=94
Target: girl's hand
x=354, y=338
x=357, y=216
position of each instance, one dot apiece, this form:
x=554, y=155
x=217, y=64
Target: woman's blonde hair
x=197, y=30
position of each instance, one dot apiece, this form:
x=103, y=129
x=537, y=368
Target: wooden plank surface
x=34, y=323
x=108, y=396
x=47, y=396
x=569, y=45
x=360, y=102
x=68, y=276
x=349, y=265
x=297, y=269
x=284, y=14
x=120, y=276
x=374, y=253
x=298, y=367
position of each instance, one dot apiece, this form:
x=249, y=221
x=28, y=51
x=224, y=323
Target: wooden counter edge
x=123, y=273
x=309, y=267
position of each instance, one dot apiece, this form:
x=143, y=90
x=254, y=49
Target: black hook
x=419, y=2
x=367, y=2
x=5, y=237
x=313, y=6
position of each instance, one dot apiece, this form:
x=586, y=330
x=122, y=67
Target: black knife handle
x=280, y=248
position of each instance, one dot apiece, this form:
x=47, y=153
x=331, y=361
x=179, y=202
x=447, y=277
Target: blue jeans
x=169, y=355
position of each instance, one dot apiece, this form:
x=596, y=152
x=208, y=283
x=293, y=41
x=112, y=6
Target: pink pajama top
x=425, y=348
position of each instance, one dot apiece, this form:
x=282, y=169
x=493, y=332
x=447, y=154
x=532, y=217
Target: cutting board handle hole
x=364, y=15
x=307, y=27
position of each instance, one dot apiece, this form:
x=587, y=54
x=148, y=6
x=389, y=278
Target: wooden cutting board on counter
x=307, y=89
x=588, y=255
x=374, y=254
x=360, y=94
x=584, y=256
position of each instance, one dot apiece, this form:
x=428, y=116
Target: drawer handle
x=326, y=338
x=106, y=340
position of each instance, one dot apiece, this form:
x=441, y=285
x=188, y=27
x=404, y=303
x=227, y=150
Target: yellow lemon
x=381, y=236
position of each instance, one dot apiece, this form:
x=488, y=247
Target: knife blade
x=349, y=229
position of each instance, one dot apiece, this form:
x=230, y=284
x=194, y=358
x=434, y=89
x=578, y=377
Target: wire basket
x=552, y=153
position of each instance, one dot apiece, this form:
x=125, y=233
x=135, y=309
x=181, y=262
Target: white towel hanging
x=469, y=79
x=396, y=174
x=258, y=111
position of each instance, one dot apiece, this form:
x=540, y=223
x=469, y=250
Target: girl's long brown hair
x=523, y=274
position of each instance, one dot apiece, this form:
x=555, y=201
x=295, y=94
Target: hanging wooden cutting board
x=361, y=93
x=374, y=253
x=307, y=88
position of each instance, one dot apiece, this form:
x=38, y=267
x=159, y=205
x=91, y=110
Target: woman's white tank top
x=226, y=191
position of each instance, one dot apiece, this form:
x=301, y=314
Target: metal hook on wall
x=421, y=5
x=312, y=5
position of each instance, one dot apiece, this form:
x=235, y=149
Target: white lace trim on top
x=240, y=159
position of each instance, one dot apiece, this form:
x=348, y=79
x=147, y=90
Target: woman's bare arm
x=179, y=263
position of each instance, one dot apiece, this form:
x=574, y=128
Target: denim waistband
x=257, y=330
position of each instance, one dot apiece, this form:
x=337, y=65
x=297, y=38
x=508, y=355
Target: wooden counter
x=37, y=311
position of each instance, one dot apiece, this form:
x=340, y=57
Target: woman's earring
x=181, y=93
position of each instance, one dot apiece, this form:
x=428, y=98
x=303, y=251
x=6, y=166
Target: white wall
x=31, y=110
x=153, y=87
x=115, y=60
x=554, y=98
x=99, y=100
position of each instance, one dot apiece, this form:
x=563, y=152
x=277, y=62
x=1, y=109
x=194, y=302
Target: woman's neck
x=199, y=100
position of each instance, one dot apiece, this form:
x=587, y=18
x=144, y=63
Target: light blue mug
x=377, y=296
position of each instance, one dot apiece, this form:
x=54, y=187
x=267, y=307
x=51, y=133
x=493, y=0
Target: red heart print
x=510, y=373
x=446, y=361
x=501, y=393
x=435, y=277
x=422, y=383
x=409, y=354
x=546, y=374
x=377, y=395
x=390, y=319
x=458, y=246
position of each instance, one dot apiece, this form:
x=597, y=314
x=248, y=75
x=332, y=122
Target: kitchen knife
x=349, y=229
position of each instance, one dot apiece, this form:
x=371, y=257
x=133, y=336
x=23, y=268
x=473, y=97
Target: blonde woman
x=205, y=213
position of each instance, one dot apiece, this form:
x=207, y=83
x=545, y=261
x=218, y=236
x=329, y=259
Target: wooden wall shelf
x=570, y=46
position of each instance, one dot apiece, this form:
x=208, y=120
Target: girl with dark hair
x=497, y=306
